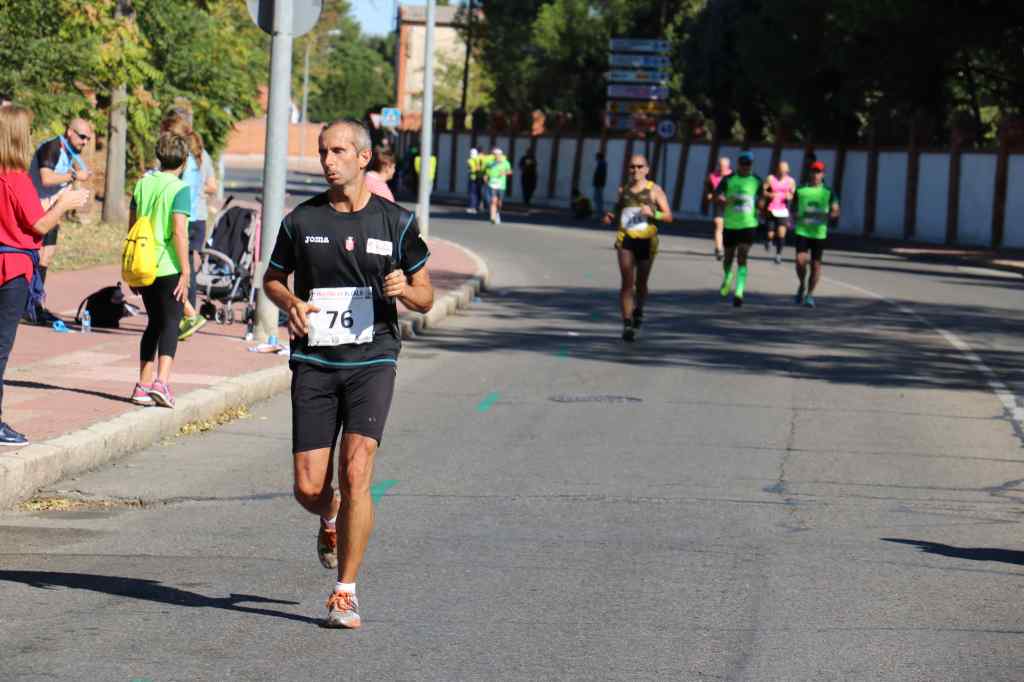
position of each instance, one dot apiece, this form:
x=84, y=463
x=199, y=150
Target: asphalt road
x=770, y=493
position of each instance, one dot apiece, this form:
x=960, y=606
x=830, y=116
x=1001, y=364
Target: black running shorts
x=643, y=249
x=327, y=401
x=734, y=238
x=815, y=246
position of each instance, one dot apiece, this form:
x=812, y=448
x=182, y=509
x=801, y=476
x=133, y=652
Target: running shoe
x=737, y=301
x=327, y=546
x=809, y=301
x=189, y=326
x=9, y=436
x=161, y=394
x=799, y=298
x=778, y=259
x=497, y=219
x=628, y=332
x=342, y=611
x=638, y=317
x=140, y=395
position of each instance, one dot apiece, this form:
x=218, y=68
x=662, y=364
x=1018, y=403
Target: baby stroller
x=227, y=269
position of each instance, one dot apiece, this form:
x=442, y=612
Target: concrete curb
x=24, y=471
x=415, y=323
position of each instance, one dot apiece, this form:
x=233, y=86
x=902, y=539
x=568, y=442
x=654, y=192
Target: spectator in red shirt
x=23, y=223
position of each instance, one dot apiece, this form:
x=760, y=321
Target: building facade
x=449, y=49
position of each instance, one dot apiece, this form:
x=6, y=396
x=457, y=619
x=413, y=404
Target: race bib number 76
x=345, y=317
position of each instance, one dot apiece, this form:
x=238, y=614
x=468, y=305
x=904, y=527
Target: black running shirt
x=326, y=248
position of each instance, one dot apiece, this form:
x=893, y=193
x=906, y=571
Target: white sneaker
x=497, y=219
x=342, y=611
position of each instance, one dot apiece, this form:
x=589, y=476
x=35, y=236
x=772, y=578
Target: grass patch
x=87, y=245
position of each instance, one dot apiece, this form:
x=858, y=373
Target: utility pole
x=469, y=51
x=427, y=125
x=117, y=144
x=305, y=78
x=305, y=95
x=276, y=165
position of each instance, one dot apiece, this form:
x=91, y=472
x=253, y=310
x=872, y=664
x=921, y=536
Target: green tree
x=349, y=73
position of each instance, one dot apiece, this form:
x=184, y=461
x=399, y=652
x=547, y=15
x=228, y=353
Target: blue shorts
x=499, y=194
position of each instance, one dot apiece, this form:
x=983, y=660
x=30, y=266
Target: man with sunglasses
x=640, y=206
x=742, y=197
x=57, y=165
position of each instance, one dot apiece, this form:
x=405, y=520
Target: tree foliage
x=63, y=58
x=841, y=70
x=349, y=73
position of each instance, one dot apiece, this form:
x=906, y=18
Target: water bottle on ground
x=86, y=321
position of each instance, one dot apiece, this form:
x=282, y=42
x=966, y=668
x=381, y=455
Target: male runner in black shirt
x=353, y=254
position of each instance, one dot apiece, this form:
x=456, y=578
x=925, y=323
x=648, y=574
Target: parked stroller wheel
x=208, y=310
x=221, y=317
x=230, y=314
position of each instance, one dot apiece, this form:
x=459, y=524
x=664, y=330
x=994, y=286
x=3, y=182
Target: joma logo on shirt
x=314, y=239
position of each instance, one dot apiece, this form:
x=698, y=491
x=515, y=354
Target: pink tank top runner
x=780, y=188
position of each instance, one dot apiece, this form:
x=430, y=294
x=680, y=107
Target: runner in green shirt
x=816, y=206
x=742, y=198
x=497, y=173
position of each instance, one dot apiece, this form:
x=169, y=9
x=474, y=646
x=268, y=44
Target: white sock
x=345, y=587
x=329, y=521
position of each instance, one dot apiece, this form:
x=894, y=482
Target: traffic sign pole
x=275, y=168
x=427, y=127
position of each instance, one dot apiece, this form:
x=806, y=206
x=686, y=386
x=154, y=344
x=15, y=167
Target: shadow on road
x=149, y=590
x=1006, y=556
x=845, y=340
x=53, y=387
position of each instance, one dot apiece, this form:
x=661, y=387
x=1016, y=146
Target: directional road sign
x=666, y=129
x=639, y=122
x=639, y=61
x=638, y=76
x=390, y=117
x=304, y=14
x=649, y=92
x=638, y=107
x=638, y=45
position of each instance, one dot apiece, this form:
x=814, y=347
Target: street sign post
x=639, y=61
x=639, y=72
x=638, y=76
x=305, y=14
x=282, y=20
x=649, y=92
x=390, y=117
x=616, y=107
x=638, y=45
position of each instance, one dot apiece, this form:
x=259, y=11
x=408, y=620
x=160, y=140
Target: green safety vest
x=741, y=201
x=813, y=205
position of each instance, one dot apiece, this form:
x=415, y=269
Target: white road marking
x=1012, y=404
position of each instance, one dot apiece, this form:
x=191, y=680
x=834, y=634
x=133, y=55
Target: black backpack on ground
x=106, y=307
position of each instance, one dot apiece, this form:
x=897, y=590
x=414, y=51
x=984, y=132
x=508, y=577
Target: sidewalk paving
x=57, y=383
